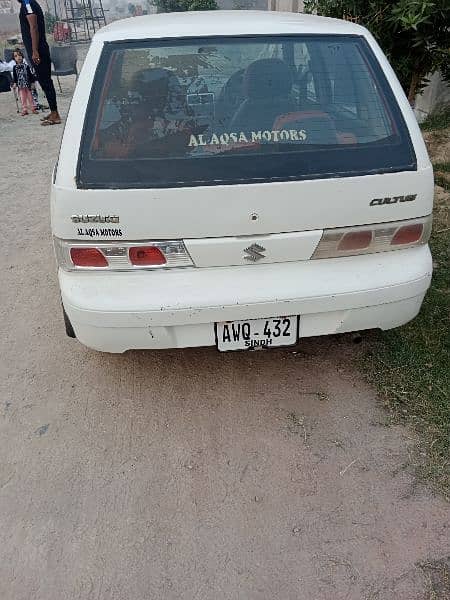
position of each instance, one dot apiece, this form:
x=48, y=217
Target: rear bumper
x=177, y=308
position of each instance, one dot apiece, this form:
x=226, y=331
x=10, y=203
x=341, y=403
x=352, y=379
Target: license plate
x=257, y=333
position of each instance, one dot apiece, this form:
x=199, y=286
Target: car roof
x=223, y=22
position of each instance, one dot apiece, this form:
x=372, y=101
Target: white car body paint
x=116, y=311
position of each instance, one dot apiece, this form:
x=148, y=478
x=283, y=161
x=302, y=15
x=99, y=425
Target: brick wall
x=8, y=7
x=9, y=22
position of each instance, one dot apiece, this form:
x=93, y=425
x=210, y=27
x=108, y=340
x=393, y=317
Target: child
x=23, y=80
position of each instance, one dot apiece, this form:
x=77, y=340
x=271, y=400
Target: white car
x=238, y=179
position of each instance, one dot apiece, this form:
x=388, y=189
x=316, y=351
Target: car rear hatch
x=248, y=149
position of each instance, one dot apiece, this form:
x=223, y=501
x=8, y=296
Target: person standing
x=6, y=67
x=23, y=80
x=32, y=25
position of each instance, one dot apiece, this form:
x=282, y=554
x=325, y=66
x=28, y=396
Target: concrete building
x=8, y=16
x=8, y=7
x=434, y=97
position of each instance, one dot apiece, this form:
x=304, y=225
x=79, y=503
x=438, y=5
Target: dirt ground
x=188, y=475
x=438, y=143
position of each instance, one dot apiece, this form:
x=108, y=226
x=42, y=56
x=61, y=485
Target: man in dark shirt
x=32, y=25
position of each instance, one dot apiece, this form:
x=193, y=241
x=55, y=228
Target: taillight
x=407, y=234
x=119, y=256
x=355, y=240
x=366, y=239
x=146, y=256
x=88, y=257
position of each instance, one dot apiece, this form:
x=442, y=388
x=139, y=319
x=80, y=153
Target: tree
x=49, y=21
x=184, y=5
x=414, y=34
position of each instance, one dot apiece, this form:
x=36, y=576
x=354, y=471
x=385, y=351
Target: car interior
x=332, y=103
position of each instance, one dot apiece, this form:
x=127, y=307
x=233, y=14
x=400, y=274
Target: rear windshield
x=239, y=110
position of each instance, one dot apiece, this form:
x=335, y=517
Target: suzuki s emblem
x=254, y=253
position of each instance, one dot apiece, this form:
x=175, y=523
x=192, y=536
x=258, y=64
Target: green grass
x=437, y=120
x=440, y=175
x=410, y=365
x=442, y=167
x=437, y=575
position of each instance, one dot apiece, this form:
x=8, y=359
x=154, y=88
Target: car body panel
x=285, y=219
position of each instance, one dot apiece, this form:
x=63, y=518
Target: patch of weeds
x=437, y=574
x=443, y=182
x=437, y=120
x=442, y=167
x=297, y=426
x=296, y=423
x=410, y=365
x=442, y=175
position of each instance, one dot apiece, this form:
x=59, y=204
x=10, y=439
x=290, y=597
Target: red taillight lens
x=88, y=257
x=146, y=256
x=121, y=256
x=355, y=240
x=379, y=237
x=408, y=234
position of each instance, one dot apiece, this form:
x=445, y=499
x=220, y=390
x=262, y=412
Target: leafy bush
x=184, y=5
x=414, y=34
x=50, y=21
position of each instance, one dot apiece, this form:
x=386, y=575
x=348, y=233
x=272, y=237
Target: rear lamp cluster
x=367, y=239
x=119, y=256
x=334, y=243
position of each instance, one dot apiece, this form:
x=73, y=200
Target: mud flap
x=68, y=325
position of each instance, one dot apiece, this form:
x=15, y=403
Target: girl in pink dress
x=23, y=80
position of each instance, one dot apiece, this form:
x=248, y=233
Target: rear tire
x=68, y=325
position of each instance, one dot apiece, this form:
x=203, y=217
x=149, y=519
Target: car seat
x=230, y=98
x=318, y=126
x=267, y=87
x=159, y=89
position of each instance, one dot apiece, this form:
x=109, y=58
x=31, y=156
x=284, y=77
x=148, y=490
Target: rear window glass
x=228, y=110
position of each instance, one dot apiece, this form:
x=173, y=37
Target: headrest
x=153, y=85
x=267, y=78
